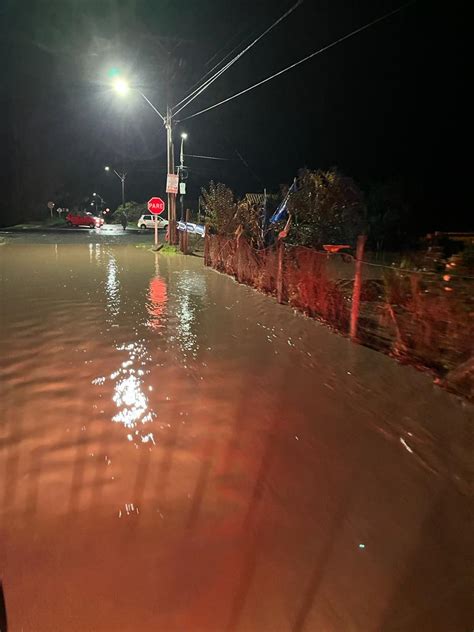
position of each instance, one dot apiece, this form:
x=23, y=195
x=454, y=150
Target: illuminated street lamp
x=121, y=86
x=102, y=202
x=181, y=154
x=182, y=184
x=121, y=177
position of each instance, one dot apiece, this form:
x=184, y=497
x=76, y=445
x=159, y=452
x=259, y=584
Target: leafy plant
x=220, y=209
x=327, y=208
x=249, y=217
x=132, y=210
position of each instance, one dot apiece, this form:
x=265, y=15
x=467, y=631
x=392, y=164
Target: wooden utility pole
x=357, y=286
x=170, y=170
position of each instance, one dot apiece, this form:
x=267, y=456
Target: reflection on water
x=191, y=291
x=129, y=391
x=128, y=394
x=112, y=289
x=235, y=466
x=157, y=295
x=157, y=298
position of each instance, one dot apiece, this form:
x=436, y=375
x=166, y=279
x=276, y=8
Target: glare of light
x=112, y=289
x=120, y=86
x=94, y=194
x=361, y=546
x=184, y=135
x=107, y=168
x=131, y=401
x=405, y=445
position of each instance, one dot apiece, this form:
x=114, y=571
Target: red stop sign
x=156, y=205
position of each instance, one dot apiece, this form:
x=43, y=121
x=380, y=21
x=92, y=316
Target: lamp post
x=122, y=87
x=102, y=202
x=121, y=177
x=181, y=174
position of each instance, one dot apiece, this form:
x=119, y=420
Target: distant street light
x=122, y=87
x=102, y=202
x=121, y=177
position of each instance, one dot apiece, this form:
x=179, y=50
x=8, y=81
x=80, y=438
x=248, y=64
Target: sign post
x=156, y=206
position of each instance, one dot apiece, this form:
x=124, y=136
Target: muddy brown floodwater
x=180, y=453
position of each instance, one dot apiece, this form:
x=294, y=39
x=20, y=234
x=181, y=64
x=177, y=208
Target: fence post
x=357, y=286
x=237, y=263
x=186, y=250
x=207, y=261
x=279, y=284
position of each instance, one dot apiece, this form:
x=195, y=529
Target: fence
x=419, y=317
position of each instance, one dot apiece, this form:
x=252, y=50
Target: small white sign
x=172, y=183
x=182, y=188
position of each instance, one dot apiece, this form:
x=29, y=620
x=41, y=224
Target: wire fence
x=420, y=317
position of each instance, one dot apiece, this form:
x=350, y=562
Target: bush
x=220, y=209
x=133, y=211
x=327, y=208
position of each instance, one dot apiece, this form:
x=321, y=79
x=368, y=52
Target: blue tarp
x=281, y=212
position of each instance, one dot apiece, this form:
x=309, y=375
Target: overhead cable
x=211, y=80
x=301, y=61
x=207, y=73
x=206, y=157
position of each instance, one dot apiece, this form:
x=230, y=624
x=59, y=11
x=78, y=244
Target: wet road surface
x=180, y=453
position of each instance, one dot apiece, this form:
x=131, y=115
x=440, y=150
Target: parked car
x=148, y=221
x=84, y=219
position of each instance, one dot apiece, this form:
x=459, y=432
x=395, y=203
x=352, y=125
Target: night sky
x=380, y=106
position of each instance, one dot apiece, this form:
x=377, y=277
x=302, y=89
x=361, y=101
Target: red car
x=84, y=219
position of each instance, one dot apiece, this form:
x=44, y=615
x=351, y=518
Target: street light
x=121, y=177
x=102, y=202
x=182, y=184
x=122, y=87
x=181, y=154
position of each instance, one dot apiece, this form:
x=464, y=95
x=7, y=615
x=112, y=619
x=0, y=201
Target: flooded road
x=180, y=453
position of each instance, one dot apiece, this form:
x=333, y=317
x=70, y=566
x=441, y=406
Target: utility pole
x=170, y=170
x=182, y=178
x=121, y=177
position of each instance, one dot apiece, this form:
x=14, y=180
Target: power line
x=206, y=157
x=222, y=60
x=211, y=80
x=208, y=81
x=301, y=61
x=193, y=95
x=246, y=164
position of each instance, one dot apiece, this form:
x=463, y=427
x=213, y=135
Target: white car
x=148, y=221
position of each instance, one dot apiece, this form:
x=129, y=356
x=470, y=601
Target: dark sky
x=380, y=106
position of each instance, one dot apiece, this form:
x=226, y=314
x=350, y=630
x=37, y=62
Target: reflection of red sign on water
x=158, y=297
